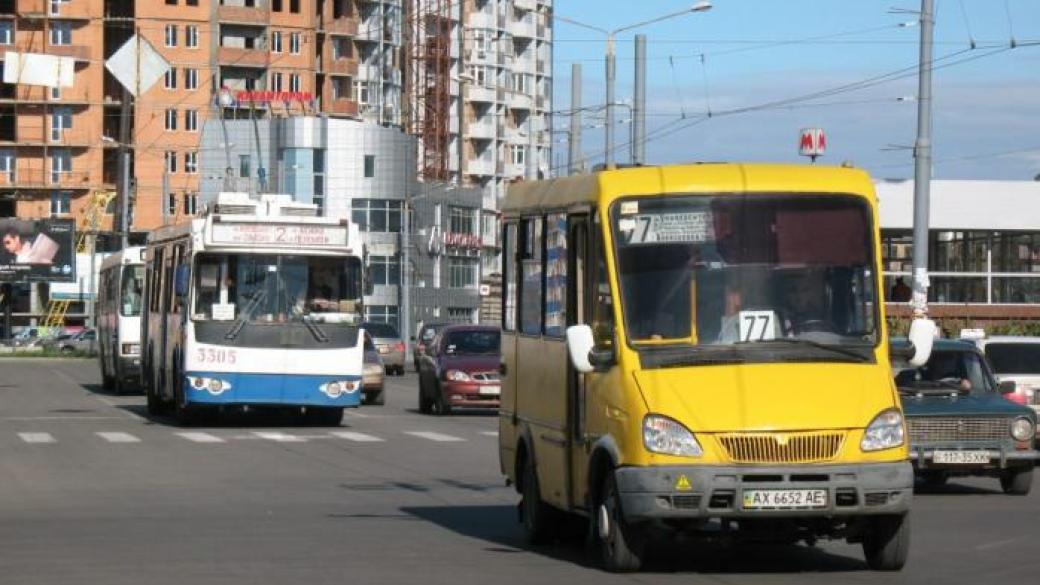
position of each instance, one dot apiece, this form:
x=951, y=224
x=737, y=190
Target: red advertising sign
x=461, y=240
x=273, y=96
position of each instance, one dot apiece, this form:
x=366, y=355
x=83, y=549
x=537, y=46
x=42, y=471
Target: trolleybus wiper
x=315, y=330
x=245, y=314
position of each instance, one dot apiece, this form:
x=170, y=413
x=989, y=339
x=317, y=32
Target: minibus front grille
x=782, y=447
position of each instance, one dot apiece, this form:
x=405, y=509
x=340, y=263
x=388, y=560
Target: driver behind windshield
x=803, y=308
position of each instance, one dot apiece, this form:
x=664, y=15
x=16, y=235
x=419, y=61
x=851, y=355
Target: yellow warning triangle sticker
x=683, y=484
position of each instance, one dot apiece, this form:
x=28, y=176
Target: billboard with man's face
x=36, y=250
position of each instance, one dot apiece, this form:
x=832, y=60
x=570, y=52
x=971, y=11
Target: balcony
x=341, y=67
x=481, y=94
x=519, y=101
x=343, y=107
x=370, y=29
x=482, y=20
x=524, y=4
x=481, y=167
x=237, y=57
x=243, y=15
x=41, y=179
x=367, y=73
x=345, y=26
x=524, y=28
x=77, y=52
x=65, y=10
x=79, y=94
x=480, y=129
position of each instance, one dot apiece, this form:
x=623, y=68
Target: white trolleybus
x=255, y=304
x=118, y=318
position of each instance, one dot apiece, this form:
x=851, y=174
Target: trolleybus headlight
x=1022, y=429
x=338, y=388
x=457, y=376
x=664, y=435
x=884, y=432
x=199, y=383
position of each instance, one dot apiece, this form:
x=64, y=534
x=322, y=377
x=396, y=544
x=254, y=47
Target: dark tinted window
x=1014, y=358
x=380, y=330
x=471, y=342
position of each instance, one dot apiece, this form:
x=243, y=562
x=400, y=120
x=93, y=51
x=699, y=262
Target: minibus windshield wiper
x=815, y=344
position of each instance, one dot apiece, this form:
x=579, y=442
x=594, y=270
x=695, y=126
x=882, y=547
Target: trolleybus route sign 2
x=279, y=234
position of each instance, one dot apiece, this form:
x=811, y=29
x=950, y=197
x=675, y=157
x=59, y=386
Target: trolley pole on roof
x=923, y=163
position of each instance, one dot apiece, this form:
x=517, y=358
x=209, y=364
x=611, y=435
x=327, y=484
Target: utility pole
x=124, y=167
x=608, y=127
x=638, y=147
x=574, y=150
x=923, y=163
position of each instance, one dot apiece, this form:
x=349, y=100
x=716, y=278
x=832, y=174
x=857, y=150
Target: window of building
x=276, y=82
x=55, y=93
x=381, y=314
x=171, y=119
x=191, y=36
x=171, y=161
x=319, y=179
x=370, y=166
x=294, y=43
x=342, y=48
x=276, y=5
x=362, y=92
x=191, y=79
x=171, y=204
x=171, y=2
x=243, y=166
x=61, y=33
x=61, y=163
x=377, y=215
x=61, y=120
x=170, y=80
x=171, y=35
x=6, y=32
x=191, y=203
x=384, y=270
x=521, y=83
x=193, y=2
x=191, y=120
x=294, y=6
x=191, y=162
x=481, y=76
x=61, y=203
x=518, y=154
x=276, y=41
x=462, y=272
x=8, y=163
x=461, y=220
x=460, y=314
x=294, y=82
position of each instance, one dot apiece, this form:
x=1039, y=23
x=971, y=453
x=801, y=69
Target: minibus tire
x=540, y=520
x=886, y=542
x=622, y=550
x=1017, y=481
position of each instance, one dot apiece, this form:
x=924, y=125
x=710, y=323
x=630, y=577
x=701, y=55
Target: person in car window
x=803, y=305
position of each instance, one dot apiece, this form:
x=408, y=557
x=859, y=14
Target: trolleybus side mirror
x=921, y=336
x=180, y=281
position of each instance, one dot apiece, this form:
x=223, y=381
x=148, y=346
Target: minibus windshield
x=746, y=270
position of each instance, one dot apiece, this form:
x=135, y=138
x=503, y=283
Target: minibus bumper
x=130, y=367
x=704, y=491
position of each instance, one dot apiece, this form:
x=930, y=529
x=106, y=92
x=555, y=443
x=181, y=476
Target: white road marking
x=201, y=437
x=489, y=433
x=60, y=418
x=118, y=437
x=996, y=544
x=279, y=437
x=358, y=437
x=37, y=437
x=431, y=436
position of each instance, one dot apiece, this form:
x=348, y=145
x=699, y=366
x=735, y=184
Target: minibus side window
x=603, y=303
x=509, y=277
x=531, y=281
x=555, y=274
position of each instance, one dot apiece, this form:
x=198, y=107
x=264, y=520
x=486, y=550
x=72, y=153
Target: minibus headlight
x=1022, y=429
x=664, y=435
x=884, y=432
x=456, y=376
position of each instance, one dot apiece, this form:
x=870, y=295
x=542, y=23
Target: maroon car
x=460, y=369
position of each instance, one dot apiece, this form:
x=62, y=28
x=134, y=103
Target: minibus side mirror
x=180, y=281
x=1007, y=387
x=921, y=336
x=579, y=345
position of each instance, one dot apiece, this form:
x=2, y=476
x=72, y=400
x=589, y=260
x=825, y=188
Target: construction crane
x=90, y=220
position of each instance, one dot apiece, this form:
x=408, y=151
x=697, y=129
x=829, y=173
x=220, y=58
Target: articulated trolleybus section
x=256, y=303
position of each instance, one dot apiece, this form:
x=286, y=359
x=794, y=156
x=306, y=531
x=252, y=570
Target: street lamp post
x=611, y=64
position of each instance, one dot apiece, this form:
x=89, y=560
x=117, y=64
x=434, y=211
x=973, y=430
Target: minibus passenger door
x=577, y=306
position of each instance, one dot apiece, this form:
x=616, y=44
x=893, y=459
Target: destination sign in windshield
x=278, y=235
x=675, y=227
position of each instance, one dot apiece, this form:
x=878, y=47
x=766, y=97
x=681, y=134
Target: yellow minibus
x=702, y=347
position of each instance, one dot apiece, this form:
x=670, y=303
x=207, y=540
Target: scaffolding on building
x=427, y=91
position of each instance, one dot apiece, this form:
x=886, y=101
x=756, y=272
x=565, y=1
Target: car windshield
x=1014, y=358
x=380, y=330
x=739, y=270
x=130, y=296
x=471, y=342
x=959, y=370
x=276, y=288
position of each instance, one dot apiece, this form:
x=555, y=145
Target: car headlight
x=664, y=435
x=884, y=432
x=456, y=376
x=1022, y=429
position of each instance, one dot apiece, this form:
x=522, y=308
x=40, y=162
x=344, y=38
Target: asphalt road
x=94, y=491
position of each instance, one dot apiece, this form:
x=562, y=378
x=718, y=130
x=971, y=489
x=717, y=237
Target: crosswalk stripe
x=201, y=437
x=358, y=437
x=119, y=437
x=439, y=437
x=279, y=437
x=37, y=437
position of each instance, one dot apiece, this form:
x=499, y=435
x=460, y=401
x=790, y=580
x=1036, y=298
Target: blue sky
x=987, y=99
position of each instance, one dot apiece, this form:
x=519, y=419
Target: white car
x=1017, y=359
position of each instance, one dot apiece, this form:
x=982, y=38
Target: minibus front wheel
x=621, y=545
x=886, y=542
